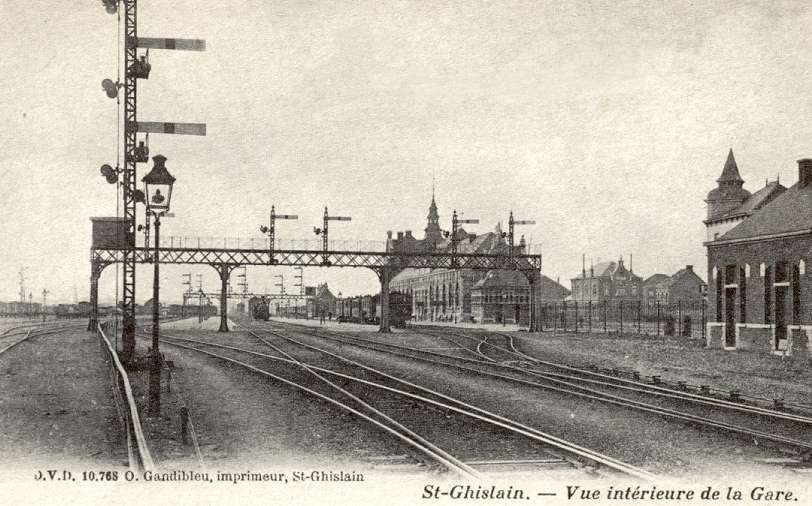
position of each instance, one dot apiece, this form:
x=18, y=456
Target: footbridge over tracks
x=386, y=264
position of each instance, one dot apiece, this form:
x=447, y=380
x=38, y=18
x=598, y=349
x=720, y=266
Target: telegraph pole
x=22, y=286
x=44, y=300
x=187, y=282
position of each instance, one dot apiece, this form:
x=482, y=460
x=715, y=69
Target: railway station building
x=758, y=287
x=463, y=295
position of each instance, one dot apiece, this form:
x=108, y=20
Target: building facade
x=758, y=287
x=462, y=295
x=730, y=204
x=607, y=281
x=503, y=297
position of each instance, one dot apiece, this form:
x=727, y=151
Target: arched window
x=802, y=267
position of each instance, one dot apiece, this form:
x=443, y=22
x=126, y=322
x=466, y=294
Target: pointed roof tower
x=730, y=173
x=433, y=232
x=729, y=193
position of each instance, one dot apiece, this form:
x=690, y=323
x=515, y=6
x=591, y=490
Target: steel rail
x=453, y=465
x=472, y=411
x=492, y=417
x=360, y=401
x=144, y=454
x=573, y=390
x=637, y=386
x=29, y=333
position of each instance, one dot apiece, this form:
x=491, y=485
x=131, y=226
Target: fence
x=685, y=318
x=125, y=404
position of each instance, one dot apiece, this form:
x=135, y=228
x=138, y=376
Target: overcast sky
x=606, y=122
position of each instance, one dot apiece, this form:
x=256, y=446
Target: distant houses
x=613, y=281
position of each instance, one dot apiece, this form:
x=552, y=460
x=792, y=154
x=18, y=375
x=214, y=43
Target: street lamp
x=158, y=189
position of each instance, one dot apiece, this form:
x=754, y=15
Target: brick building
x=729, y=203
x=448, y=294
x=684, y=285
x=607, y=281
x=758, y=288
x=652, y=287
x=503, y=297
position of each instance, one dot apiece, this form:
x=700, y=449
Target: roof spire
x=730, y=173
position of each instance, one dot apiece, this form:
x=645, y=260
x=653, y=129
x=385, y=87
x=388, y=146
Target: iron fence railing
x=263, y=243
x=686, y=318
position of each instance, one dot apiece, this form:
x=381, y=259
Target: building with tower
x=463, y=295
x=758, y=248
x=729, y=203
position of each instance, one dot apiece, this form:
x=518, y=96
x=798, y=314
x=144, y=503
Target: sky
x=606, y=122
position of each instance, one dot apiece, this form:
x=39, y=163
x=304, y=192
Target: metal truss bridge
x=386, y=265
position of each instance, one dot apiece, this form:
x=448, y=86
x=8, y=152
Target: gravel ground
x=751, y=373
x=244, y=420
x=660, y=445
x=56, y=407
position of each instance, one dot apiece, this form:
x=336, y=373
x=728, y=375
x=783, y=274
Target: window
x=742, y=296
x=730, y=274
x=718, y=297
x=781, y=274
x=796, y=294
x=768, y=294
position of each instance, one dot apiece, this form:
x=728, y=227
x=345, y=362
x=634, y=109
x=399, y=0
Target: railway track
x=781, y=428
x=531, y=365
x=394, y=405
x=11, y=337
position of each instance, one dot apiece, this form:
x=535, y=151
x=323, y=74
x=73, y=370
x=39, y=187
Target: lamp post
x=158, y=189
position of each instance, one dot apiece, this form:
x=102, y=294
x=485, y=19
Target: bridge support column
x=224, y=270
x=94, y=301
x=385, y=276
x=534, y=284
x=96, y=269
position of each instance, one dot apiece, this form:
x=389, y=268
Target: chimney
x=400, y=236
x=631, y=262
x=689, y=268
x=409, y=233
x=804, y=172
x=583, y=266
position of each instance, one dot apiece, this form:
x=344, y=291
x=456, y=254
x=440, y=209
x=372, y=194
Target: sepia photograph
x=400, y=252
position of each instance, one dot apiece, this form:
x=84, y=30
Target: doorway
x=730, y=317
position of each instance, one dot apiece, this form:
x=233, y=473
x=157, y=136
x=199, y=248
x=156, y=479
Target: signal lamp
x=111, y=6
x=110, y=87
x=109, y=173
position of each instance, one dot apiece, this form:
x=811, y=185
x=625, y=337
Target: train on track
x=364, y=309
